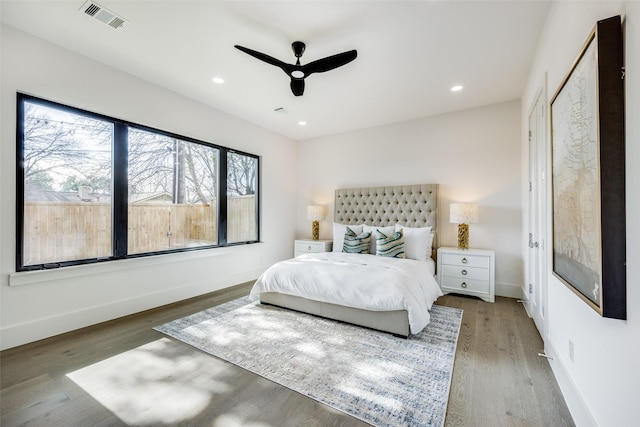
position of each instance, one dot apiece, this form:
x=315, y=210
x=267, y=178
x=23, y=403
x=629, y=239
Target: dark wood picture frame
x=588, y=182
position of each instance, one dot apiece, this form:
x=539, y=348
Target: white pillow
x=417, y=242
x=338, y=234
x=387, y=231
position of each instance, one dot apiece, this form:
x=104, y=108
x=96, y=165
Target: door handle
x=532, y=244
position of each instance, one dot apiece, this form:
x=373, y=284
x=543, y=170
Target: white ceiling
x=410, y=53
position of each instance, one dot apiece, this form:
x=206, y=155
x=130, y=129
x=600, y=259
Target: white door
x=537, y=261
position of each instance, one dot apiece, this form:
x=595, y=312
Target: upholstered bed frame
x=408, y=205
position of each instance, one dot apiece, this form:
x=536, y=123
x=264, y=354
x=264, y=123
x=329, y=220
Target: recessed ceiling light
x=302, y=123
x=456, y=88
x=218, y=80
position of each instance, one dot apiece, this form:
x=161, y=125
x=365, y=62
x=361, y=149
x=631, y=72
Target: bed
x=384, y=293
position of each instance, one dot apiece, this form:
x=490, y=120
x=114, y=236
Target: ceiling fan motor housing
x=298, y=48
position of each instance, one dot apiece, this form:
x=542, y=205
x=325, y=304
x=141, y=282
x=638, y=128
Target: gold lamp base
x=315, y=230
x=463, y=236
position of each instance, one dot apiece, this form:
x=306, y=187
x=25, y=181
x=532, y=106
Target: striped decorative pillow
x=354, y=243
x=387, y=231
x=390, y=246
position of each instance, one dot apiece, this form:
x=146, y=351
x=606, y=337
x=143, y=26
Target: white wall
x=601, y=385
x=51, y=302
x=474, y=155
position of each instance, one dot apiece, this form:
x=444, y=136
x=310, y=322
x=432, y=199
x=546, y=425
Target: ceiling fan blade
x=297, y=86
x=287, y=68
x=329, y=63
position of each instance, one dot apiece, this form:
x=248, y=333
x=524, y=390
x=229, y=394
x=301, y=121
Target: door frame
x=539, y=247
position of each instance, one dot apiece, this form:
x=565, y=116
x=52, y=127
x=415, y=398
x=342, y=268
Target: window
x=92, y=188
x=172, y=193
x=242, y=197
x=67, y=186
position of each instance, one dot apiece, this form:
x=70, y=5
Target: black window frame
x=120, y=188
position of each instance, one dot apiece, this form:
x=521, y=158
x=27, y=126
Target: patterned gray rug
x=374, y=376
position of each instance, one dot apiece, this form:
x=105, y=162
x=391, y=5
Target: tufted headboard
x=408, y=205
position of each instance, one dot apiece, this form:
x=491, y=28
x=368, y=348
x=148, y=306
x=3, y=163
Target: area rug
x=374, y=376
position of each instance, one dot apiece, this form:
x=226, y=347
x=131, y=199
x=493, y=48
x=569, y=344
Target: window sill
x=31, y=277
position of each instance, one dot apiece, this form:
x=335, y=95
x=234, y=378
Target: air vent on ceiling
x=103, y=15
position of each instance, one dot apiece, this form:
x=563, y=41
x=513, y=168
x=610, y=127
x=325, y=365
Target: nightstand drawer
x=465, y=272
x=454, y=284
x=311, y=246
x=466, y=260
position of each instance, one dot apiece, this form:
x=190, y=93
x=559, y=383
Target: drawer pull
x=464, y=260
x=464, y=272
x=464, y=284
x=309, y=248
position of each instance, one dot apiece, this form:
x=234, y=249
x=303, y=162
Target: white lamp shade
x=315, y=213
x=463, y=213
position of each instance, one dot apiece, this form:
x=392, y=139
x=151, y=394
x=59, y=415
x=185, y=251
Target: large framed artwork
x=588, y=158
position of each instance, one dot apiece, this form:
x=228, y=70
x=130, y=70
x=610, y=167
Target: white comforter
x=362, y=281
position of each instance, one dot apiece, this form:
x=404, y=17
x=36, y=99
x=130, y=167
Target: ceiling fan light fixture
x=297, y=74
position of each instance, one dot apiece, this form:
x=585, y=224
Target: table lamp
x=463, y=214
x=315, y=213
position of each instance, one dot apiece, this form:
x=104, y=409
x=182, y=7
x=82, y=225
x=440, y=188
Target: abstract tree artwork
x=587, y=123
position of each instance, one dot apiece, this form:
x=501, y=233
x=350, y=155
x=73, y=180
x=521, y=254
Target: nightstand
x=312, y=246
x=467, y=271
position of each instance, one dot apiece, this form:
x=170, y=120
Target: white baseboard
x=509, y=290
x=577, y=407
x=38, y=329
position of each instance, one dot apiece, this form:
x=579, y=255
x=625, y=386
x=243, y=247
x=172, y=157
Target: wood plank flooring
x=498, y=379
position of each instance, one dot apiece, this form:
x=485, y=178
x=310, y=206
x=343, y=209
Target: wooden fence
x=64, y=231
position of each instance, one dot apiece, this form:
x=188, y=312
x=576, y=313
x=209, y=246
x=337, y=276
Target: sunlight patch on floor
x=230, y=420
x=311, y=349
x=159, y=382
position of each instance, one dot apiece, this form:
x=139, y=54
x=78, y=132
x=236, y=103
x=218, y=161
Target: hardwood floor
x=498, y=379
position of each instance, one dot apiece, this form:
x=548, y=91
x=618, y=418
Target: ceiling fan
x=298, y=72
